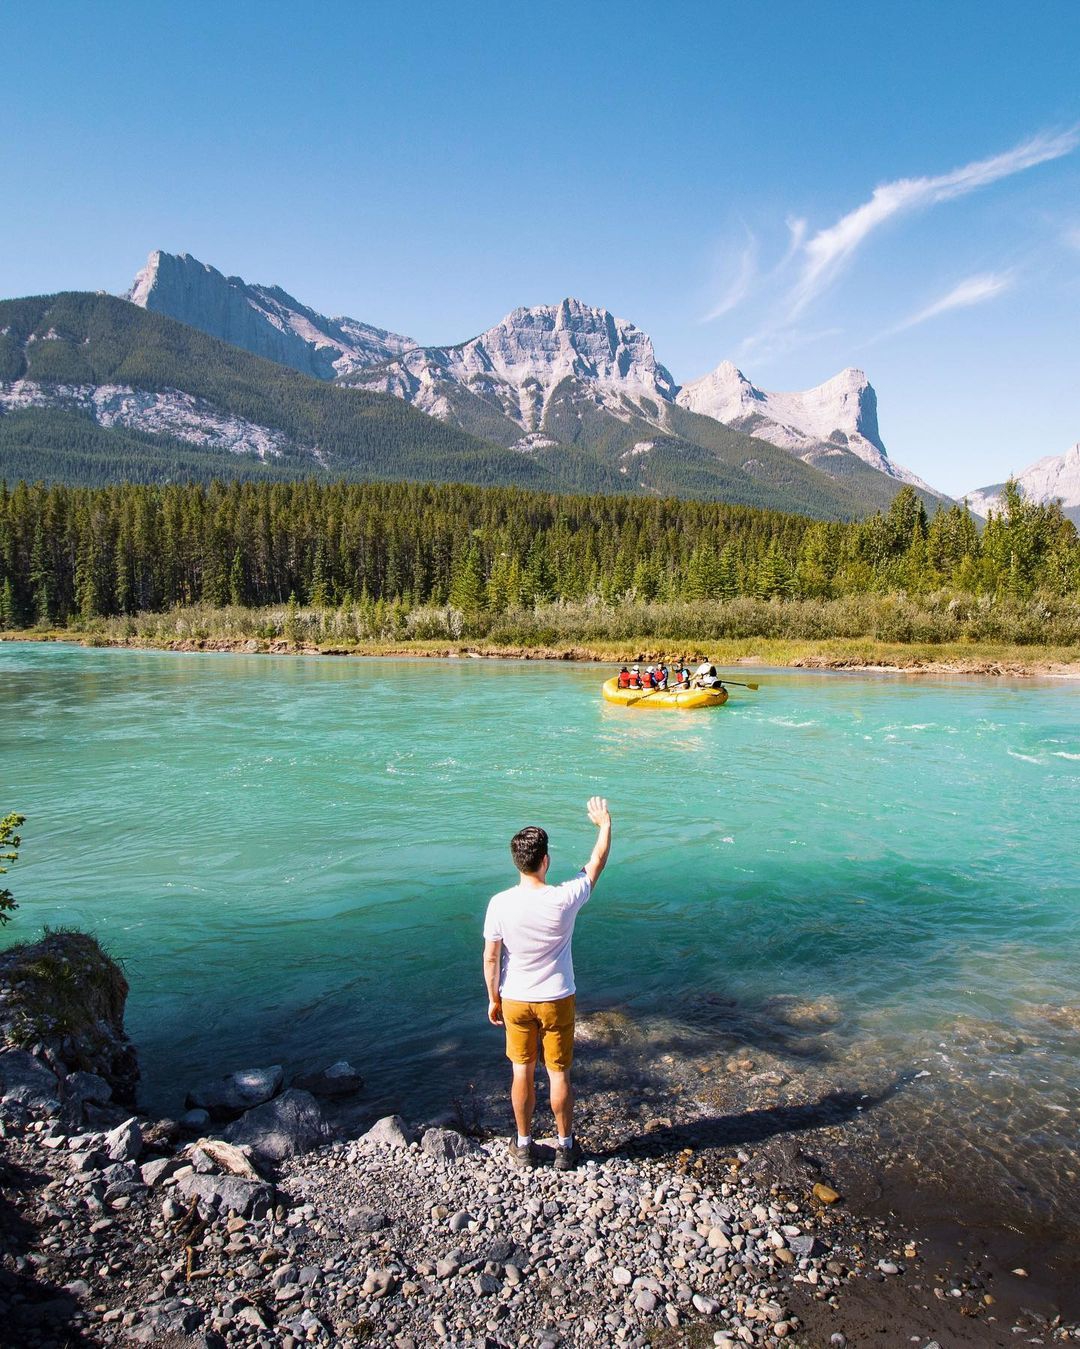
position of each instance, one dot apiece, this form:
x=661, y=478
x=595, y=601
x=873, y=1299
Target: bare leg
x=562, y=1102
x=523, y=1096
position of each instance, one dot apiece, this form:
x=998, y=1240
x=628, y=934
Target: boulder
x=229, y=1096
x=391, y=1131
x=124, y=1143
x=447, y=1144
x=287, y=1126
x=224, y=1194
x=72, y=994
x=86, y=1088
x=26, y=1081
x=340, y=1079
x=159, y=1170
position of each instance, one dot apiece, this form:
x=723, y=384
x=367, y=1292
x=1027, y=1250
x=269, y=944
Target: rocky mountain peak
x=573, y=339
x=1056, y=477
x=264, y=320
x=840, y=413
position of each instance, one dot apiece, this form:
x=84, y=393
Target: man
x=529, y=971
x=705, y=676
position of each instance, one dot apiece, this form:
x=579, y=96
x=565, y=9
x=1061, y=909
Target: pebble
x=621, y=1252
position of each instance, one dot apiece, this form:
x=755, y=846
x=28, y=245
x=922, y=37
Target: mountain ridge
x=544, y=375
x=79, y=370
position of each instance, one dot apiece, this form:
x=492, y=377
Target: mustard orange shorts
x=527, y=1023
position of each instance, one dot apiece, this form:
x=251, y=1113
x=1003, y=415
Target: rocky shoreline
x=804, y=657
x=257, y=1220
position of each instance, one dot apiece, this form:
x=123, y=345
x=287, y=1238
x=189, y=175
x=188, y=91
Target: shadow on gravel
x=754, y=1126
x=31, y=1309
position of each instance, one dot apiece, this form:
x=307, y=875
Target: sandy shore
x=850, y=654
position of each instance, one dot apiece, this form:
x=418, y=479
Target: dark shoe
x=566, y=1159
x=524, y=1157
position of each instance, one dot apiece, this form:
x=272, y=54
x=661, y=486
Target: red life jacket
x=624, y=679
x=646, y=680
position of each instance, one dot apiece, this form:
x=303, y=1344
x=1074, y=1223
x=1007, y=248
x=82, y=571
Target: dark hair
x=528, y=848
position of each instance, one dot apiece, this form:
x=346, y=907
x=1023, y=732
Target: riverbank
x=722, y=1216
x=407, y=1236
x=842, y=653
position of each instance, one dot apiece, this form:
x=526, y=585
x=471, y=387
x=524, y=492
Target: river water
x=866, y=879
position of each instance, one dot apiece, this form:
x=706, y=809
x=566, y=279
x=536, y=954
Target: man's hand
x=495, y=1013
x=601, y=817
x=598, y=811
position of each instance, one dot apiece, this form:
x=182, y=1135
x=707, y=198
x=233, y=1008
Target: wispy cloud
x=829, y=251
x=739, y=285
x=974, y=290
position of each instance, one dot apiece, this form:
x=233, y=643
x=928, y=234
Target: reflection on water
x=849, y=879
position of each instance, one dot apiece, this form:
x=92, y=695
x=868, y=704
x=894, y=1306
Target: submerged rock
x=287, y=1126
x=340, y=1079
x=226, y=1097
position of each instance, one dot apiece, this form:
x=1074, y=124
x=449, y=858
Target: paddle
x=650, y=693
x=736, y=683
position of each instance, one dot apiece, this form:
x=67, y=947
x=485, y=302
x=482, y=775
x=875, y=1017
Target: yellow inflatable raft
x=680, y=698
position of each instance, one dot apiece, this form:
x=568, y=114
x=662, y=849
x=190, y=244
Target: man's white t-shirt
x=536, y=925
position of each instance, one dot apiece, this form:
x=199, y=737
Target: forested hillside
x=71, y=555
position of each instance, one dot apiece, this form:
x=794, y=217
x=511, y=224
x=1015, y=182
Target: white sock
x=566, y=1142
x=524, y=1140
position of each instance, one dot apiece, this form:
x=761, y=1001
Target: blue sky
x=793, y=186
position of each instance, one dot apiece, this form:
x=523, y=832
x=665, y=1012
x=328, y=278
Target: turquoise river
x=864, y=878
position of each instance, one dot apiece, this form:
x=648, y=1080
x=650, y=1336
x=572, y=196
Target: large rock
x=447, y=1144
x=125, y=1142
x=229, y=1096
x=390, y=1132
x=340, y=1079
x=86, y=1088
x=27, y=1082
x=66, y=994
x=287, y=1126
x=246, y=1198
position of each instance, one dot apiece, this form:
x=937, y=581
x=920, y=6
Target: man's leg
x=523, y=1096
x=562, y=1101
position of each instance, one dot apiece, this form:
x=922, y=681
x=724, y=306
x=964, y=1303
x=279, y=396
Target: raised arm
x=601, y=817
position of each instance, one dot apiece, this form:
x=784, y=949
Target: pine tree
x=467, y=582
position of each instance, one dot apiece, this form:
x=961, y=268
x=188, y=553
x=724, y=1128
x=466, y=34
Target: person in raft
x=529, y=972
x=624, y=678
x=660, y=676
x=705, y=677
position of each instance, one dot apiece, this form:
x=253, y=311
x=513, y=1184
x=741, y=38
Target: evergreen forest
x=484, y=559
